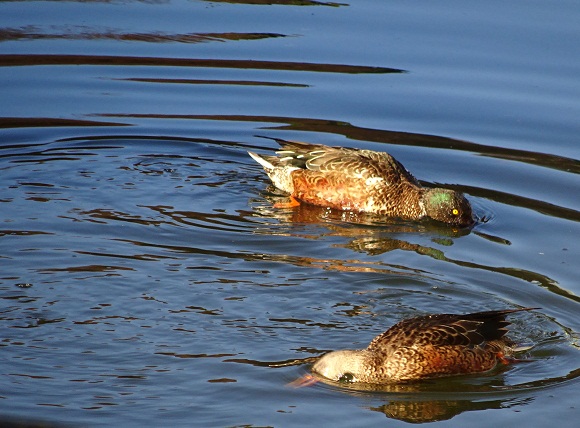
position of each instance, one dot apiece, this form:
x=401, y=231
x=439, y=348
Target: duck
x=358, y=180
x=423, y=347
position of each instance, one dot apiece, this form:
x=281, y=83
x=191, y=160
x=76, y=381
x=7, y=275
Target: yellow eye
x=455, y=211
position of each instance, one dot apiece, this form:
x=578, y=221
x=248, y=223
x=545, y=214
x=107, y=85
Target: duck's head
x=448, y=206
x=341, y=366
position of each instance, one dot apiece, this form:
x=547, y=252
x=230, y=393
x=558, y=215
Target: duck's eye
x=455, y=211
x=346, y=377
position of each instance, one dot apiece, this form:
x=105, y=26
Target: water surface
x=146, y=277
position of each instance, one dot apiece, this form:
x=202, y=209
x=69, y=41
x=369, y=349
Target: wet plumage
x=362, y=181
x=425, y=347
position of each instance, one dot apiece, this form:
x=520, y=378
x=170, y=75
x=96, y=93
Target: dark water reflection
x=28, y=60
x=392, y=137
x=33, y=33
x=282, y=2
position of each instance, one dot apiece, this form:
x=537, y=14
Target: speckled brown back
x=351, y=179
x=438, y=345
x=345, y=160
x=445, y=329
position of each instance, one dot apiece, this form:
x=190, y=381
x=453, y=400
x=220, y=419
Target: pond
x=145, y=274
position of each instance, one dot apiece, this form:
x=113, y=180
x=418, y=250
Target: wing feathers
x=446, y=329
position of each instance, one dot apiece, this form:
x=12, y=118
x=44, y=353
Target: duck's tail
x=280, y=174
x=262, y=161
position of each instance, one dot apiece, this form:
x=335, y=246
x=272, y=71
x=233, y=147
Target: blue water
x=146, y=277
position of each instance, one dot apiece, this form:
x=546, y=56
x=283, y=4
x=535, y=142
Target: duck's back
x=438, y=345
x=350, y=179
x=350, y=162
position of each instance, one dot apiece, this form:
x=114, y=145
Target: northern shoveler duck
x=423, y=347
x=359, y=180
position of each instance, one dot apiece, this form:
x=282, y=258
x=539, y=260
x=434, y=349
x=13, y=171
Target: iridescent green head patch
x=440, y=197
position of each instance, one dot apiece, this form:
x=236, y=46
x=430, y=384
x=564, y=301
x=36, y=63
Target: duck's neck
x=413, y=205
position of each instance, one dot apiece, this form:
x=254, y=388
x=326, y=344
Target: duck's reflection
x=371, y=234
x=375, y=235
x=435, y=410
x=436, y=401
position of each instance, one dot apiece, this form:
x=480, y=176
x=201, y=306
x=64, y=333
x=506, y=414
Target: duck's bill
x=306, y=380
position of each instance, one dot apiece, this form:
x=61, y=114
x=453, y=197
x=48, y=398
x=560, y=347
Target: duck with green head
x=359, y=180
